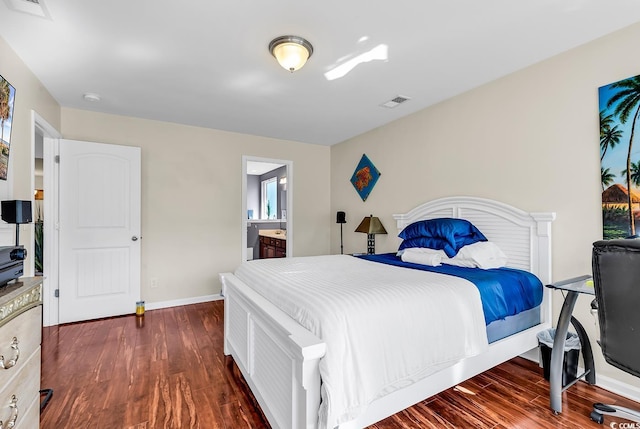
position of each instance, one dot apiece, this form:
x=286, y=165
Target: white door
x=99, y=230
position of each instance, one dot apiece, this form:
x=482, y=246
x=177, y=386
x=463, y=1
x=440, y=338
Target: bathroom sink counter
x=280, y=234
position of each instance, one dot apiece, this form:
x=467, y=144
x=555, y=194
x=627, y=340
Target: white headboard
x=524, y=237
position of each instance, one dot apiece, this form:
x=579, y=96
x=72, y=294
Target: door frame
x=243, y=212
x=50, y=312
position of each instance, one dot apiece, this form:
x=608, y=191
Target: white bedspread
x=384, y=326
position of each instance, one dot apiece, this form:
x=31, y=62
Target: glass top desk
x=574, y=287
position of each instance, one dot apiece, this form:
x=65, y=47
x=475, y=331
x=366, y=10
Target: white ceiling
x=257, y=168
x=206, y=62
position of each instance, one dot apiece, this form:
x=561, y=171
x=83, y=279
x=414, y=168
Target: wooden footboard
x=277, y=357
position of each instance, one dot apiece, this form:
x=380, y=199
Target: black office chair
x=616, y=278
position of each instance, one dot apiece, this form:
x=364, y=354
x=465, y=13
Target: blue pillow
x=429, y=242
x=446, y=234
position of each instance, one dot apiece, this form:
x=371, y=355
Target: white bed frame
x=279, y=358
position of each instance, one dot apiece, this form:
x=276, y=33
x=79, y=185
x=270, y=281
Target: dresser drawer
x=29, y=418
x=26, y=329
x=24, y=387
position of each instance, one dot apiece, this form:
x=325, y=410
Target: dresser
x=20, y=339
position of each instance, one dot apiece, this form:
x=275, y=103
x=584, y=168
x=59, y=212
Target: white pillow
x=422, y=256
x=483, y=254
x=460, y=262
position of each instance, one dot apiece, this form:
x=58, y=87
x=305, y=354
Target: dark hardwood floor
x=167, y=370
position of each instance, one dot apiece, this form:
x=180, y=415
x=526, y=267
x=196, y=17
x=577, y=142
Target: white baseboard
x=184, y=301
x=617, y=387
x=532, y=355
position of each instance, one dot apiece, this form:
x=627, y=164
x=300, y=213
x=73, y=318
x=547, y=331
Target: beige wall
x=30, y=96
x=530, y=139
x=191, y=202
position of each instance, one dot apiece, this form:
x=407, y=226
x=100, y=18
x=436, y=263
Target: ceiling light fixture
x=292, y=52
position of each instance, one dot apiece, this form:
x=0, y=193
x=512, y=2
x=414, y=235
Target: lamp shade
x=292, y=52
x=16, y=211
x=371, y=225
x=341, y=217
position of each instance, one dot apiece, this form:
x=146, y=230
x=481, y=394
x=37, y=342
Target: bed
x=281, y=360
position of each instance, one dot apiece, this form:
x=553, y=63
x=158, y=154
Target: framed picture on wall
x=7, y=97
x=365, y=177
x=619, y=104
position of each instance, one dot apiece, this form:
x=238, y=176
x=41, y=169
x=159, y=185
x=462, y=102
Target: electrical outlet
x=154, y=282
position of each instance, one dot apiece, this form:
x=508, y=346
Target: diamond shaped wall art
x=365, y=177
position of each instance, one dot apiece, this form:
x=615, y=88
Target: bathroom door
x=99, y=230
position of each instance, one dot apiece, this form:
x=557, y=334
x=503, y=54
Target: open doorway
x=45, y=238
x=38, y=204
x=266, y=208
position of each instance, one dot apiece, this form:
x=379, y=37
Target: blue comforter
x=503, y=291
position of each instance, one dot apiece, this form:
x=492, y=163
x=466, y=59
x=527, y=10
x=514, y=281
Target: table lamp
x=371, y=226
x=18, y=212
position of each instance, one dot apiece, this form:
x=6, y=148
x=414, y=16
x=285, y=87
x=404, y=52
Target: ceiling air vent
x=32, y=7
x=395, y=101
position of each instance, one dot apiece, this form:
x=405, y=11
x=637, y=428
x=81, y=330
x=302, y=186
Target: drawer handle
x=11, y=423
x=12, y=361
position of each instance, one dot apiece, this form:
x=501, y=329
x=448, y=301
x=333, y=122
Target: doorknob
x=134, y=238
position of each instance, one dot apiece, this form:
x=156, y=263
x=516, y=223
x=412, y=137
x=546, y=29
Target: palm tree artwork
x=606, y=177
x=610, y=135
x=619, y=111
x=7, y=94
x=4, y=105
x=635, y=173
